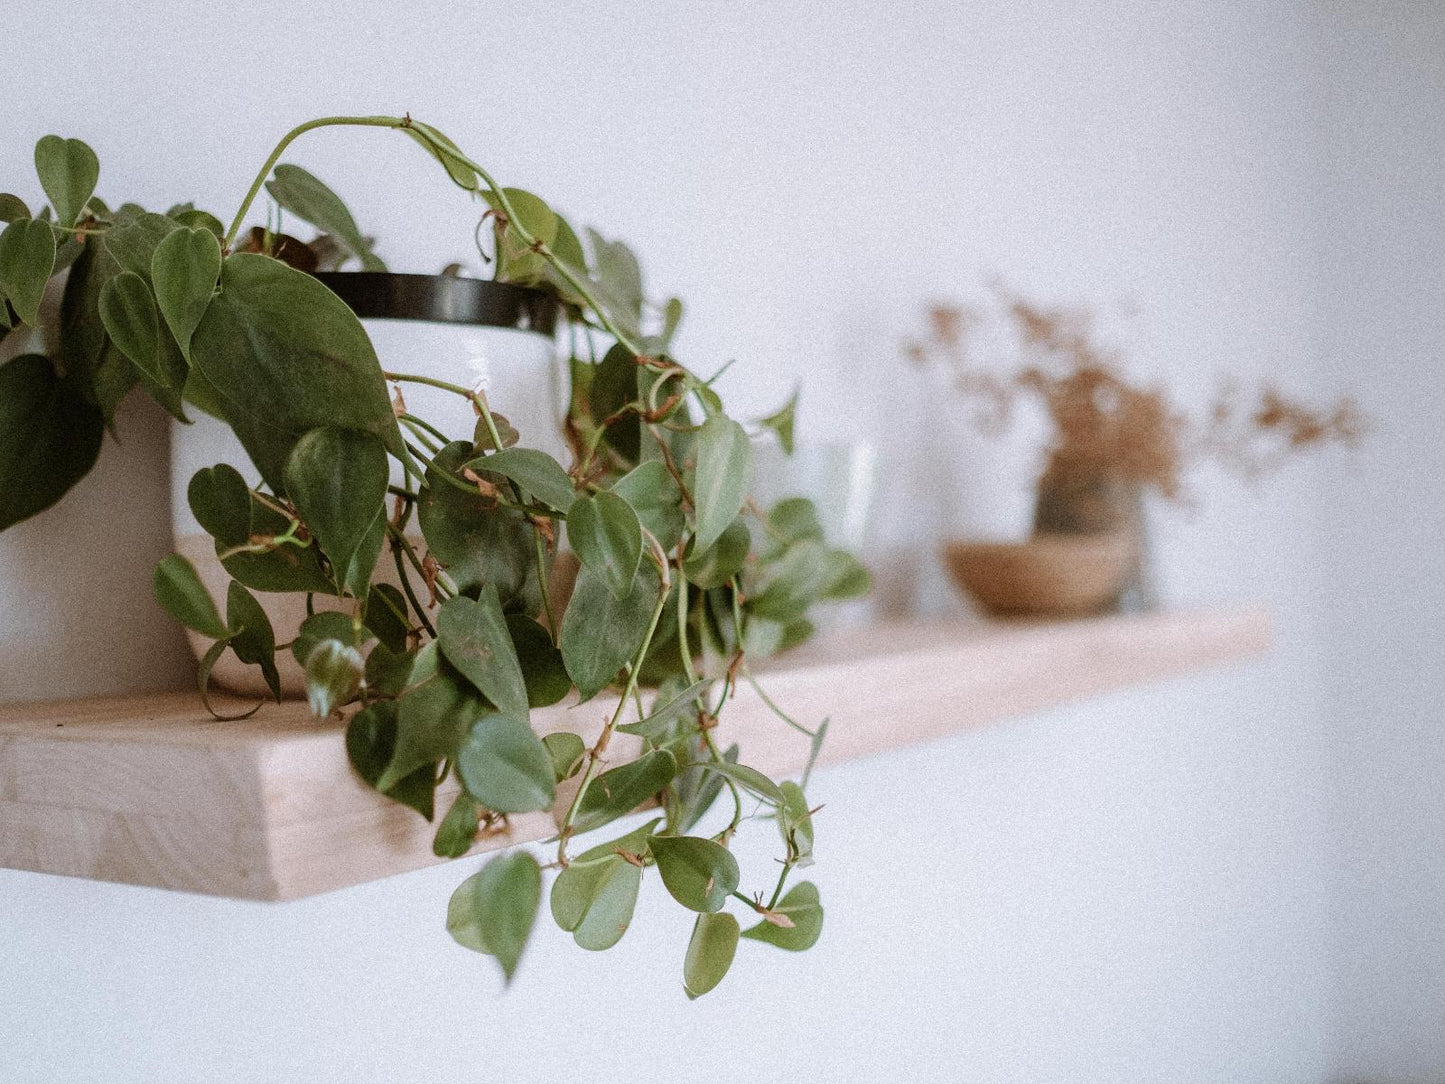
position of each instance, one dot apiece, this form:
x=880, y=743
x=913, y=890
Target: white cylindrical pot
x=488, y=336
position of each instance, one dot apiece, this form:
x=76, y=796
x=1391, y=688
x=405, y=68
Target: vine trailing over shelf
x=438, y=676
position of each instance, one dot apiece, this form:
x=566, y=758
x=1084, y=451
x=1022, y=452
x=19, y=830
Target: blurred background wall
x=1229, y=877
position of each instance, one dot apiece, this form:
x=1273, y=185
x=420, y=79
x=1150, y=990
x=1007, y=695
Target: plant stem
x=691, y=672
x=286, y=141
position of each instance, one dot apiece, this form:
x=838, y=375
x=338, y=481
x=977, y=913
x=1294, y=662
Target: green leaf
x=12, y=208
x=724, y=473
x=49, y=437
x=600, y=633
x=434, y=715
x=476, y=542
x=27, y=258
x=184, y=270
x=709, y=953
x=656, y=723
x=253, y=640
x=595, y=901
x=698, y=790
x=795, y=822
x=543, y=671
x=371, y=745
x=607, y=537
x=286, y=356
x=333, y=675
x=800, y=907
x=456, y=834
x=326, y=625
x=474, y=638
x=68, y=172
x=536, y=472
x=199, y=220
x=221, y=502
x=129, y=314
x=722, y=561
x=782, y=423
x=90, y=360
x=284, y=568
x=844, y=576
x=179, y=590
x=614, y=386
x=385, y=614
x=657, y=499
x=795, y=582
x=493, y=911
x=617, y=792
x=792, y=520
x=750, y=779
x=133, y=241
x=699, y=873
x=387, y=671
x=618, y=280
x=567, y=751
x=203, y=683
x=337, y=479
x=444, y=151
x=309, y=199
x=516, y=262
x=505, y=766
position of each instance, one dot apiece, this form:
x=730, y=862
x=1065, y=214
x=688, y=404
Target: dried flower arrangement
x=1109, y=434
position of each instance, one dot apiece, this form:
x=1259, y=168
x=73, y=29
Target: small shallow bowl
x=1050, y=575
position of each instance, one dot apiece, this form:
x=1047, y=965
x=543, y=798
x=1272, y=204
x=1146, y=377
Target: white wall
x=1132, y=889
x=1386, y=305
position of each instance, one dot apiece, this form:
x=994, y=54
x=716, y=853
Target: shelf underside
x=150, y=790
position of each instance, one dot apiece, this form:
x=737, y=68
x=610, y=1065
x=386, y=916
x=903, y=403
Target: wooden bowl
x=1050, y=575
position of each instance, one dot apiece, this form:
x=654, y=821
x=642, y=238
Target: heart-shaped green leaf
x=306, y=197
x=286, y=356
x=456, y=834
x=567, y=751
x=474, y=638
x=505, y=766
x=710, y=952
x=385, y=614
x=543, y=671
x=435, y=713
x=656, y=498
x=750, y=779
x=782, y=423
x=337, y=479
x=475, y=541
x=700, y=873
x=617, y=792
x=184, y=271
x=799, y=907
x=493, y=911
x=12, y=208
x=27, y=258
x=49, y=437
x=128, y=311
x=718, y=564
x=600, y=633
x=595, y=901
x=68, y=171
x=613, y=387
x=607, y=537
x=179, y=590
x=795, y=822
x=722, y=478
x=221, y=502
x=536, y=472
x=657, y=723
x=253, y=640
x=370, y=746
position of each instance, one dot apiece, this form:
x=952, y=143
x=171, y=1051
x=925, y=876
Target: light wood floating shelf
x=151, y=790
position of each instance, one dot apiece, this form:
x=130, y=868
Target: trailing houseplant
x=683, y=581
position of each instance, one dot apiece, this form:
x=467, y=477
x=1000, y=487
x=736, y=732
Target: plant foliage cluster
x=682, y=579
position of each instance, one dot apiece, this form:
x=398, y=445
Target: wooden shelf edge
x=150, y=790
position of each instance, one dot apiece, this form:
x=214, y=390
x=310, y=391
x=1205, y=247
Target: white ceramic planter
x=511, y=356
